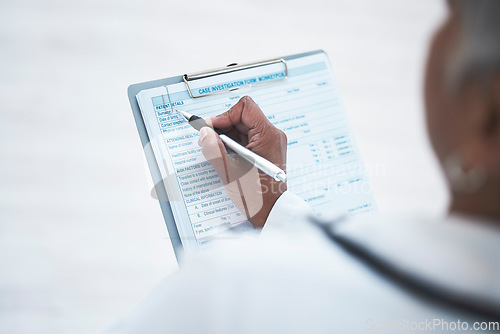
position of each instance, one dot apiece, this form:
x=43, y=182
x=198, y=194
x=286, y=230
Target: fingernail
x=208, y=120
x=203, y=134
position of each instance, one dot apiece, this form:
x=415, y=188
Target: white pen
x=261, y=163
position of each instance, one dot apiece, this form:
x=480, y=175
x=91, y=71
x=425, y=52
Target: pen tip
x=183, y=113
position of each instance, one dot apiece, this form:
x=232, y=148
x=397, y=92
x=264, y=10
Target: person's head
x=462, y=97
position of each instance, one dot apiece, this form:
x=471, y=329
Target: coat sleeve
x=289, y=209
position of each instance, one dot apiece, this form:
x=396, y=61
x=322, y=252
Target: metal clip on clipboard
x=232, y=68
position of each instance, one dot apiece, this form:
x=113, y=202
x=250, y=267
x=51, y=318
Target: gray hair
x=478, y=53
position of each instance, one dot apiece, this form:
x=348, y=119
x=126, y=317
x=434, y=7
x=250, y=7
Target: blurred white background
x=81, y=240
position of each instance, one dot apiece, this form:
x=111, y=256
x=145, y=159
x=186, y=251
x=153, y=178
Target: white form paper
x=323, y=163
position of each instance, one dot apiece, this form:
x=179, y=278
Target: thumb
x=214, y=151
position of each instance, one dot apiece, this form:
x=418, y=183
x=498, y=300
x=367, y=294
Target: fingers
x=244, y=116
x=227, y=167
x=240, y=178
x=215, y=152
x=246, y=123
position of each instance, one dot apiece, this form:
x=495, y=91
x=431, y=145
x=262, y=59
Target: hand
x=253, y=192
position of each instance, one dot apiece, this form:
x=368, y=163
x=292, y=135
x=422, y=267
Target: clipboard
x=133, y=90
x=187, y=79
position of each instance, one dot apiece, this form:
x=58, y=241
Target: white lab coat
x=295, y=279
